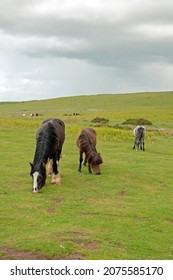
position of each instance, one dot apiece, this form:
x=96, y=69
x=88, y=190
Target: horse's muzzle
x=35, y=190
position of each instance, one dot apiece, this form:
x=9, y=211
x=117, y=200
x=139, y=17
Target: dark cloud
x=98, y=46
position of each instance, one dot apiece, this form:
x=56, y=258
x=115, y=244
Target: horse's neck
x=91, y=150
x=40, y=156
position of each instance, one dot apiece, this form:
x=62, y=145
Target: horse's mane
x=46, y=140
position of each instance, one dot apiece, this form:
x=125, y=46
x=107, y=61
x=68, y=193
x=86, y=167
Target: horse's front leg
x=89, y=168
x=50, y=167
x=80, y=161
x=89, y=164
x=56, y=179
x=85, y=161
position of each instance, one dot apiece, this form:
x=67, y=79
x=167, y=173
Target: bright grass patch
x=124, y=213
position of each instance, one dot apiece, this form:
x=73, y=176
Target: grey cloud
x=97, y=46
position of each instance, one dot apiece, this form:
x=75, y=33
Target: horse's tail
x=141, y=133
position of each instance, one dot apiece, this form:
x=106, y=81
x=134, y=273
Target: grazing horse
x=86, y=142
x=139, y=134
x=50, y=137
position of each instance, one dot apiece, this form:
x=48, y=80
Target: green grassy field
x=125, y=213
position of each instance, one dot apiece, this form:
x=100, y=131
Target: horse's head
x=95, y=163
x=38, y=177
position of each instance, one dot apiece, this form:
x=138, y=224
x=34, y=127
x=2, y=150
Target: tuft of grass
x=139, y=121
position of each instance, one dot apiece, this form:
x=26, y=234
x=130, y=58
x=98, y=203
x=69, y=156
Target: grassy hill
x=116, y=107
x=125, y=213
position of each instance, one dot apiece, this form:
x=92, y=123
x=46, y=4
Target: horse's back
x=87, y=134
x=90, y=132
x=57, y=126
x=59, y=129
x=42, y=129
x=55, y=122
x=138, y=130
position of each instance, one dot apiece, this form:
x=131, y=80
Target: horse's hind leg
x=135, y=144
x=80, y=161
x=143, y=146
x=56, y=175
x=59, y=155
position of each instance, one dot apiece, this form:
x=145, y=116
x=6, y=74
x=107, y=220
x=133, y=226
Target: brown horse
x=49, y=141
x=86, y=142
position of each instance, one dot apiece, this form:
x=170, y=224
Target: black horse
x=50, y=137
x=139, y=135
x=86, y=142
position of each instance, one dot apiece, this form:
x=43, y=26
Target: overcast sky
x=58, y=48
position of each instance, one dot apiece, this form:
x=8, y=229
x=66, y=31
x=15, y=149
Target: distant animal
x=50, y=137
x=86, y=142
x=139, y=136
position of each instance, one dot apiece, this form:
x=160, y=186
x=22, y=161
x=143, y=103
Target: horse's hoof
x=56, y=179
x=56, y=183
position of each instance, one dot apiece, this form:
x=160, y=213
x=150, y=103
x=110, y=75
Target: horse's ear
x=101, y=158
